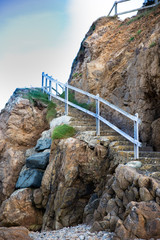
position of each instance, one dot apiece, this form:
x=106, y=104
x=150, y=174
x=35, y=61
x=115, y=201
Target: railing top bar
x=134, y=10
x=83, y=92
x=121, y=1
x=134, y=118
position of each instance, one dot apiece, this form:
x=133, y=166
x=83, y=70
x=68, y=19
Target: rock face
x=120, y=61
x=73, y=173
x=18, y=210
x=20, y=126
x=14, y=233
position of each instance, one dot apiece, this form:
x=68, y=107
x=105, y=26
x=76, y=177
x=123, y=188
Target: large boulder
x=19, y=210
x=39, y=160
x=73, y=173
x=14, y=233
x=29, y=178
x=21, y=124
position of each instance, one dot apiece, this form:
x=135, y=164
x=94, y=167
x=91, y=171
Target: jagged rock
x=39, y=160
x=141, y=221
x=43, y=144
x=14, y=233
x=29, y=178
x=21, y=124
x=19, y=210
x=156, y=134
x=72, y=174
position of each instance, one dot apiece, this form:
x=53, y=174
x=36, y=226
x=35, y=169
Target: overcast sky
x=44, y=35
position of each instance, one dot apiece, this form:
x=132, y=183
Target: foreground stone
x=19, y=210
x=29, y=178
x=14, y=233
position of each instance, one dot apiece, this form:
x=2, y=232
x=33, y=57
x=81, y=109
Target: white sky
x=44, y=35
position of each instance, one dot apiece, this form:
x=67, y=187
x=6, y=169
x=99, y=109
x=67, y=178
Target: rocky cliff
x=47, y=184
x=120, y=61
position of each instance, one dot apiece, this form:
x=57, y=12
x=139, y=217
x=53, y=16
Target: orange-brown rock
x=14, y=233
x=120, y=61
x=21, y=124
x=18, y=210
x=73, y=173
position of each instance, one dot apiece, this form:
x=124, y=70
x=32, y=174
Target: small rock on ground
x=80, y=232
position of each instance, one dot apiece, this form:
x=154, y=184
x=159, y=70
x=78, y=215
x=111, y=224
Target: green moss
x=139, y=31
x=63, y=131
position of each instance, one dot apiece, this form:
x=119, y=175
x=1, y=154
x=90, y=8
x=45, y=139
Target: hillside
x=120, y=60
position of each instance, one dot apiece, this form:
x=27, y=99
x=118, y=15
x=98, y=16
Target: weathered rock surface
x=39, y=160
x=29, y=178
x=73, y=173
x=123, y=71
x=141, y=221
x=21, y=124
x=18, y=210
x=14, y=233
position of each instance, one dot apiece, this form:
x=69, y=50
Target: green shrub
x=131, y=39
x=139, y=31
x=63, y=131
x=152, y=44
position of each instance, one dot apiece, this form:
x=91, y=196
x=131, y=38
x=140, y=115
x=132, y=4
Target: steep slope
x=121, y=62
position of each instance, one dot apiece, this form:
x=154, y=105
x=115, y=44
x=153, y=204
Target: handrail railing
x=47, y=82
x=133, y=10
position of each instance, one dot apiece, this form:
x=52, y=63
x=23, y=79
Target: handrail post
x=50, y=89
x=42, y=81
x=136, y=137
x=56, y=88
x=97, y=116
x=115, y=8
x=46, y=81
x=66, y=99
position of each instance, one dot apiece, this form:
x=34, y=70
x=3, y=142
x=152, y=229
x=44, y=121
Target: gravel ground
x=80, y=232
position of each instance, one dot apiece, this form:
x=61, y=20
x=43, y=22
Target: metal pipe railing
x=129, y=11
x=47, y=87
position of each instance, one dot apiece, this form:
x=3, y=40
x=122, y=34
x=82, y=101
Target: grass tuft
x=63, y=131
x=152, y=44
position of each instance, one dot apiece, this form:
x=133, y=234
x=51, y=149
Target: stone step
x=124, y=142
x=150, y=167
x=148, y=160
x=130, y=154
x=124, y=148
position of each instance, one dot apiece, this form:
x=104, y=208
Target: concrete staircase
x=118, y=146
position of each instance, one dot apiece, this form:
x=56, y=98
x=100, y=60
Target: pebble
x=80, y=232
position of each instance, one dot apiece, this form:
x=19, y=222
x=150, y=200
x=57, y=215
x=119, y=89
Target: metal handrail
x=47, y=87
x=133, y=10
